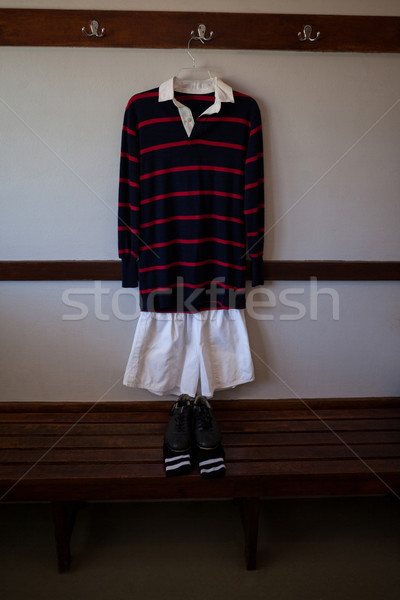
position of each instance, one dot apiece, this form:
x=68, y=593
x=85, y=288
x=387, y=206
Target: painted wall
x=331, y=124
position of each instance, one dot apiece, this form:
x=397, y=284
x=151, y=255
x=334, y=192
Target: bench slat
x=236, y=453
x=313, y=425
x=68, y=418
x=259, y=426
x=229, y=439
x=115, y=471
x=158, y=416
x=233, y=405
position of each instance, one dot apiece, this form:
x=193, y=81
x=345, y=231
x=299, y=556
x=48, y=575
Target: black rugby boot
x=205, y=427
x=177, y=448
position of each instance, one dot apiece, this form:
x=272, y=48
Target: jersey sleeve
x=254, y=197
x=129, y=200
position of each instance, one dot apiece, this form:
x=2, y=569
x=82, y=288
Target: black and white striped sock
x=177, y=463
x=211, y=462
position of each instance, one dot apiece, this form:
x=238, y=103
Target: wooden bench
x=73, y=453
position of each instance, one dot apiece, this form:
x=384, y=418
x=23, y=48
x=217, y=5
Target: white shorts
x=180, y=353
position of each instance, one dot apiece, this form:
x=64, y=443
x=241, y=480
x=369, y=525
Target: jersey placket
x=186, y=114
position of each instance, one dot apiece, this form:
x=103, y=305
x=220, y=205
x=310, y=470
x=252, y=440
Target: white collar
x=223, y=93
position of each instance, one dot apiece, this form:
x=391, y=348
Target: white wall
x=331, y=124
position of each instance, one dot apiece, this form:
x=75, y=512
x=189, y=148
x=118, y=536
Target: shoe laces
x=180, y=420
x=204, y=416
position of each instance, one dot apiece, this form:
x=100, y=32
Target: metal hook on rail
x=201, y=30
x=94, y=27
x=305, y=35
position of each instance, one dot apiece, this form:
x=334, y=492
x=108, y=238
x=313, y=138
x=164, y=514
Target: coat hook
x=94, y=26
x=305, y=35
x=201, y=37
x=202, y=34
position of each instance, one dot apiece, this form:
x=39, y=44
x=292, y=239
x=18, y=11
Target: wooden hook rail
x=274, y=270
x=171, y=29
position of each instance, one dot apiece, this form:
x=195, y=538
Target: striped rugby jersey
x=191, y=196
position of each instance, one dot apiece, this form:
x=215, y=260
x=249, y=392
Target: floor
x=316, y=549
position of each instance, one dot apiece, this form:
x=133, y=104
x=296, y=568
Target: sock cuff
x=211, y=462
x=176, y=463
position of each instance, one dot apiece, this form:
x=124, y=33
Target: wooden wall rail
x=274, y=270
x=160, y=29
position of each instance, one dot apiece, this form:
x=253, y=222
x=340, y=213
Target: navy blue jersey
x=191, y=201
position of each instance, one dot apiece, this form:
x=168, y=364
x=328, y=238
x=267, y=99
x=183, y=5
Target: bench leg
x=250, y=511
x=64, y=514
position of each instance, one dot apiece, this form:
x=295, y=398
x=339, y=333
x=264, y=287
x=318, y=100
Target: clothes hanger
x=192, y=73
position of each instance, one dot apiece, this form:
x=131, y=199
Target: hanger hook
x=190, y=54
x=201, y=30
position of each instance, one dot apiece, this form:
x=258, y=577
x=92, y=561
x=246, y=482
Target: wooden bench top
x=113, y=450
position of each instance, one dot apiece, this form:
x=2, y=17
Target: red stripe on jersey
x=160, y=120
x=129, y=182
x=126, y=228
x=219, y=144
x=143, y=95
x=128, y=251
x=190, y=218
x=193, y=286
x=193, y=241
x=192, y=168
x=163, y=146
x=192, y=264
x=253, y=158
x=189, y=143
x=127, y=204
x=227, y=120
x=253, y=185
x=130, y=131
x=253, y=131
x=261, y=230
x=129, y=157
x=249, y=211
x=192, y=193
